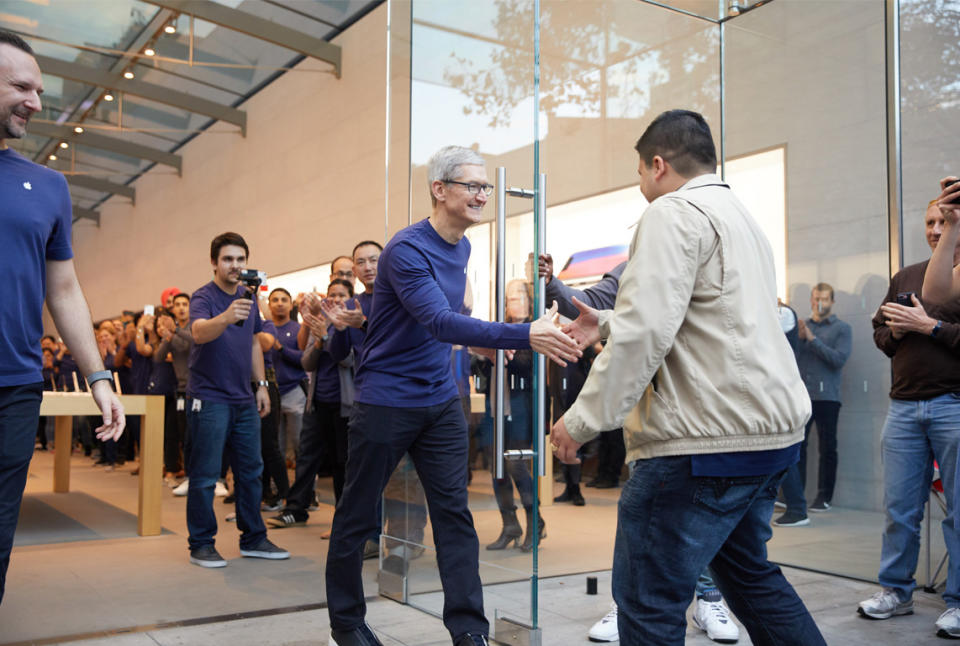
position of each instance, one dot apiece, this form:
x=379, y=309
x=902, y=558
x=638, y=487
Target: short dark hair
x=681, y=137
x=823, y=287
x=279, y=289
x=48, y=336
x=364, y=244
x=180, y=295
x=224, y=239
x=343, y=283
x=10, y=38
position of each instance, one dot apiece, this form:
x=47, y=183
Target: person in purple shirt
x=37, y=265
x=406, y=400
x=222, y=409
x=290, y=375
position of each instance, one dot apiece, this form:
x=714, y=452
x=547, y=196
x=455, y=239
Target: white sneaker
x=220, y=489
x=713, y=618
x=606, y=629
x=885, y=604
x=948, y=625
x=181, y=489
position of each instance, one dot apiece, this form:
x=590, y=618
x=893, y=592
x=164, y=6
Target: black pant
x=19, y=412
x=322, y=436
x=436, y=438
x=274, y=466
x=825, y=414
x=172, y=435
x=610, y=455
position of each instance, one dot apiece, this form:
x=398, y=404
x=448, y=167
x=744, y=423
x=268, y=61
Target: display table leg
x=63, y=447
x=151, y=468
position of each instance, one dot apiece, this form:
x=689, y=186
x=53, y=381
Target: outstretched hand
x=585, y=330
x=114, y=419
x=547, y=339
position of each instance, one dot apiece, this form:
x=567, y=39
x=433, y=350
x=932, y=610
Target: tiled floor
x=101, y=581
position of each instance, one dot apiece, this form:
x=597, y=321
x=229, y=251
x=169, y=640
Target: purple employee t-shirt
x=221, y=370
x=35, y=217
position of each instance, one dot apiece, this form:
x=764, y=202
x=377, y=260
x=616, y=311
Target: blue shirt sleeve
x=421, y=295
x=58, y=244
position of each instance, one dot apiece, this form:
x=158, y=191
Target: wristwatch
x=99, y=375
x=936, y=329
x=263, y=382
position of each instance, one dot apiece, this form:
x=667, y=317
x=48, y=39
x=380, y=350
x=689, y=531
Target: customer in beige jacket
x=699, y=374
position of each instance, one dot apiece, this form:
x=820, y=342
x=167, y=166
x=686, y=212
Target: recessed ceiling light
x=108, y=97
x=149, y=51
x=52, y=157
x=78, y=130
x=128, y=74
x=64, y=144
x=171, y=28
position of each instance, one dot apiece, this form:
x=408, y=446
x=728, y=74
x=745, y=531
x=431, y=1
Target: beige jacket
x=695, y=361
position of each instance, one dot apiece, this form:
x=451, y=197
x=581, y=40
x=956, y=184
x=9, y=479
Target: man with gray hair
x=406, y=401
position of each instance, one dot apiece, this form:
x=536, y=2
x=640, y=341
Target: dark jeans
x=321, y=422
x=436, y=438
x=172, y=435
x=274, y=466
x=611, y=453
x=670, y=526
x=215, y=428
x=825, y=415
x=19, y=412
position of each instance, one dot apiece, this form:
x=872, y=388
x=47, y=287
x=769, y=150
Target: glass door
x=467, y=74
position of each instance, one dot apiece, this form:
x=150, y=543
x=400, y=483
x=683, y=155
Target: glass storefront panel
x=809, y=78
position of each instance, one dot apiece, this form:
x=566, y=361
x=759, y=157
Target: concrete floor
x=80, y=574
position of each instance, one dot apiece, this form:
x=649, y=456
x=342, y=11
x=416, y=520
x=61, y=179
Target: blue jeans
x=213, y=427
x=916, y=433
x=19, y=412
x=670, y=526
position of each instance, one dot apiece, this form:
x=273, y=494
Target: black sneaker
x=819, y=506
x=792, y=519
x=578, y=500
x=207, y=556
x=266, y=550
x=286, y=520
x=473, y=640
x=361, y=636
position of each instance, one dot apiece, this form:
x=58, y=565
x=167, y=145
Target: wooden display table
x=63, y=406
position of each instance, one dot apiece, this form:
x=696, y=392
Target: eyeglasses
x=472, y=187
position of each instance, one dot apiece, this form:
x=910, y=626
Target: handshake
x=562, y=344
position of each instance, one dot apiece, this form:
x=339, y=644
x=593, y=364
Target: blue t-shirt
x=35, y=219
x=221, y=370
x=140, y=367
x=286, y=360
x=327, y=380
x=68, y=366
x=417, y=297
x=269, y=328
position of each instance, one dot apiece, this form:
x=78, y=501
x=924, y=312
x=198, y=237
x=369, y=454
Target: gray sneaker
x=207, y=556
x=266, y=550
x=948, y=625
x=885, y=604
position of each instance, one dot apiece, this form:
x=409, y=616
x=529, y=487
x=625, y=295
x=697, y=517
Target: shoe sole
x=719, y=640
x=279, y=525
x=208, y=564
x=884, y=615
x=272, y=556
x=779, y=505
x=603, y=640
x=818, y=511
x=799, y=523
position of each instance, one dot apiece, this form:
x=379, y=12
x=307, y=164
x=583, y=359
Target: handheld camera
x=251, y=279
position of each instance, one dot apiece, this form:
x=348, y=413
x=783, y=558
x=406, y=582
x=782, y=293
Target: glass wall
x=796, y=94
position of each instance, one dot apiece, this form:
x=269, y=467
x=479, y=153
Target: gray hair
x=445, y=163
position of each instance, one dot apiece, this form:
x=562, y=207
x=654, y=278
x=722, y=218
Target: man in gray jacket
x=699, y=374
